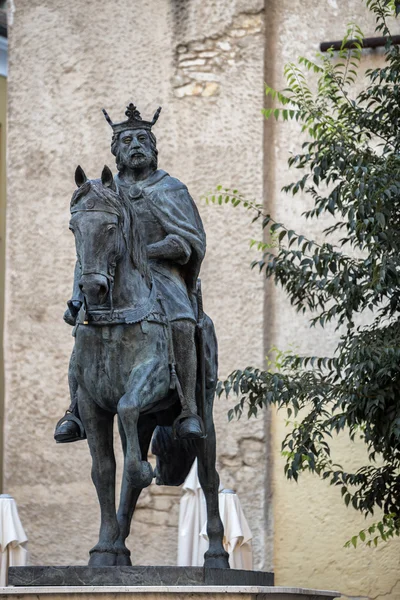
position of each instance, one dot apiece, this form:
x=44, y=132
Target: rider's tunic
x=164, y=208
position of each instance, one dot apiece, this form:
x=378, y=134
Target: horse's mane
x=130, y=224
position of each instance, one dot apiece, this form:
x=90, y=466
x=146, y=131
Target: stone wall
x=204, y=62
x=67, y=61
x=200, y=63
x=3, y=113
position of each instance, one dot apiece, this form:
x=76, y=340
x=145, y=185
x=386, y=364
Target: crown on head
x=134, y=120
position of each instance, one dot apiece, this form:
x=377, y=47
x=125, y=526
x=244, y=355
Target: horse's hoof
x=102, y=558
x=142, y=476
x=124, y=560
x=123, y=555
x=218, y=561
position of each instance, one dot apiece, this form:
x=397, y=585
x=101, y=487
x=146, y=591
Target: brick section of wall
x=201, y=62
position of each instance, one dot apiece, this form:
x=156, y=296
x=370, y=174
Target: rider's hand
x=72, y=312
x=68, y=318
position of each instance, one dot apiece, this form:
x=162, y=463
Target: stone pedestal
x=164, y=593
x=135, y=576
x=149, y=583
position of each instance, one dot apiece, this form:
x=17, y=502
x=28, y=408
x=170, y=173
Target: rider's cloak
x=167, y=202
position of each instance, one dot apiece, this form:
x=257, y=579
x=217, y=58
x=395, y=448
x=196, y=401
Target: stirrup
x=70, y=417
x=184, y=415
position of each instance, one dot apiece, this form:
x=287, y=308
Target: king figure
x=176, y=244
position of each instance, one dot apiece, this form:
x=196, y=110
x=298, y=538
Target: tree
x=350, y=167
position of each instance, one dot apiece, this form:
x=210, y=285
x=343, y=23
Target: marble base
x=164, y=593
x=133, y=576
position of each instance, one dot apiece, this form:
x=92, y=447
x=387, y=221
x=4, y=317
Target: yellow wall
x=311, y=522
x=3, y=107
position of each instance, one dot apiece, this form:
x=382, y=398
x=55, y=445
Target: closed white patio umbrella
x=237, y=534
x=12, y=538
x=192, y=533
x=192, y=516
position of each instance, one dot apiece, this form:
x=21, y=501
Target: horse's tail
x=174, y=457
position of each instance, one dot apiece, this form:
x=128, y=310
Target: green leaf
x=380, y=217
x=345, y=162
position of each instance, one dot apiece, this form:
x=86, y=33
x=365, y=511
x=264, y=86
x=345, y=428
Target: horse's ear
x=107, y=178
x=80, y=177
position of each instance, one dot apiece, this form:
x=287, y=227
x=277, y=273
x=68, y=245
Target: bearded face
x=135, y=149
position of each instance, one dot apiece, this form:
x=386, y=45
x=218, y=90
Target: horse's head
x=97, y=217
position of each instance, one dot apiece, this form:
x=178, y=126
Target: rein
x=129, y=315
x=110, y=278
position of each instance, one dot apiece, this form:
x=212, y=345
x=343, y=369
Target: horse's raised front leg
x=216, y=557
x=98, y=425
x=149, y=383
x=129, y=494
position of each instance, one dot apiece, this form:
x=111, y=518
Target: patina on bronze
x=144, y=349
x=175, y=241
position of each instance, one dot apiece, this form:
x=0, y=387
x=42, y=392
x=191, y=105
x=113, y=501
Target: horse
x=122, y=367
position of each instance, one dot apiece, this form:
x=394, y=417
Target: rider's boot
x=183, y=335
x=69, y=428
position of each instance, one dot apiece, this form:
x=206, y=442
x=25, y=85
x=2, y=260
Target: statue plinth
x=135, y=576
x=150, y=583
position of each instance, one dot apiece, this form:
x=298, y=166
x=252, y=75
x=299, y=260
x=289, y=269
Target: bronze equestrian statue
x=144, y=349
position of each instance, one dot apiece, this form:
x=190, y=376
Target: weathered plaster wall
x=67, y=61
x=311, y=523
x=3, y=114
x=204, y=62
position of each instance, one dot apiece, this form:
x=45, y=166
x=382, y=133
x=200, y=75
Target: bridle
x=129, y=315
